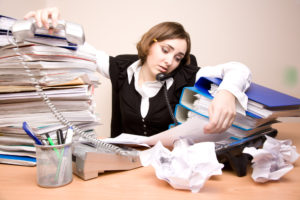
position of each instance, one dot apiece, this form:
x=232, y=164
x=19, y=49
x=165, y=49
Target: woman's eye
x=164, y=50
x=178, y=59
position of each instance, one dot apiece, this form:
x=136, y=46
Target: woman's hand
x=221, y=112
x=42, y=16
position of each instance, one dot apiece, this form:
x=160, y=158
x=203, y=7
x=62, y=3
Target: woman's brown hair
x=161, y=32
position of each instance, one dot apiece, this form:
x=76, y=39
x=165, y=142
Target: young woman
x=139, y=106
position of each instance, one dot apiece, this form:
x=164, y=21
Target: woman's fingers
x=42, y=17
x=45, y=16
x=55, y=14
x=29, y=14
x=38, y=18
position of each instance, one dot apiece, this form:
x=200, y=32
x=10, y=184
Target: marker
x=29, y=132
x=51, y=143
x=49, y=139
x=69, y=135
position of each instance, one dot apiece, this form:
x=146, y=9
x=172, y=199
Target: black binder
x=231, y=155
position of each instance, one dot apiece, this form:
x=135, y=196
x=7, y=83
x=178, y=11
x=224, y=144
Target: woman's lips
x=163, y=69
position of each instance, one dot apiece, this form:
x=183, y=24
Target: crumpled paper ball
x=274, y=160
x=187, y=167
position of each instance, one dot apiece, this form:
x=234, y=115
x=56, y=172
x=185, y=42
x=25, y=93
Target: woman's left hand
x=222, y=112
x=42, y=16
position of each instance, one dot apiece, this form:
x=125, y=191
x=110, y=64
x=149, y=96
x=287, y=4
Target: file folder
x=187, y=98
x=269, y=98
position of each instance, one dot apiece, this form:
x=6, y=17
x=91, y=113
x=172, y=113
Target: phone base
x=88, y=162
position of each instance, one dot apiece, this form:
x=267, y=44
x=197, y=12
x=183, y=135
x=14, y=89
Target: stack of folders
x=265, y=106
x=67, y=77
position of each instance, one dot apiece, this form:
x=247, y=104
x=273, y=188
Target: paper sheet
x=192, y=130
x=128, y=139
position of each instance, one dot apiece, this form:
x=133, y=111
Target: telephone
x=88, y=162
x=105, y=156
x=23, y=29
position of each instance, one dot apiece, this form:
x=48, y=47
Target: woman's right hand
x=222, y=112
x=42, y=16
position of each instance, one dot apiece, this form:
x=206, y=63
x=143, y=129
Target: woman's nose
x=168, y=60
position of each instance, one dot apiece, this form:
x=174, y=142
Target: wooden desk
x=19, y=182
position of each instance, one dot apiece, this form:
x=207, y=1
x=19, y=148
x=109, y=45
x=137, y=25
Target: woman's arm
x=236, y=80
x=102, y=58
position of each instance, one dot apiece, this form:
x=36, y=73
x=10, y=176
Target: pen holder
x=54, y=165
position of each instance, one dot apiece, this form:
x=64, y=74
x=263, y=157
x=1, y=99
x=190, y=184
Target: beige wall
x=263, y=34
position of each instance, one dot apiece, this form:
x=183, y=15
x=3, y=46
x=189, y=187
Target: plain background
x=263, y=34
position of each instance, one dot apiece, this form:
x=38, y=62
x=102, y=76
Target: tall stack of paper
x=264, y=107
x=67, y=77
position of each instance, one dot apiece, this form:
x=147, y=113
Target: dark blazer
x=126, y=101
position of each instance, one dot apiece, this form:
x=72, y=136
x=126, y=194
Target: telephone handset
x=23, y=29
x=163, y=76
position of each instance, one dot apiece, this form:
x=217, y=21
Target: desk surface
x=18, y=182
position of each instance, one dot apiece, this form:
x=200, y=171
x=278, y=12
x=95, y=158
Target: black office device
x=232, y=156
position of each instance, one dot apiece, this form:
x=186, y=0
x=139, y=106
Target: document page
x=192, y=130
x=128, y=139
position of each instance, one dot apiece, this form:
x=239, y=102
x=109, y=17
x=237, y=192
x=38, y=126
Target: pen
x=59, y=136
x=29, y=132
x=51, y=143
x=63, y=138
x=62, y=162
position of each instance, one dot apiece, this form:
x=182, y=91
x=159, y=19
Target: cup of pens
x=53, y=160
x=54, y=165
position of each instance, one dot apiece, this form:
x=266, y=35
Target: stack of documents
x=67, y=77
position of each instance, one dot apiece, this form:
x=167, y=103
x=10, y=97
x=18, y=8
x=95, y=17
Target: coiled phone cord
x=168, y=104
x=99, y=145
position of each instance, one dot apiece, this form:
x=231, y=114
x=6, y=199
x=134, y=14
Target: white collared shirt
x=149, y=89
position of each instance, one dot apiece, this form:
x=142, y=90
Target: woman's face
x=165, y=56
